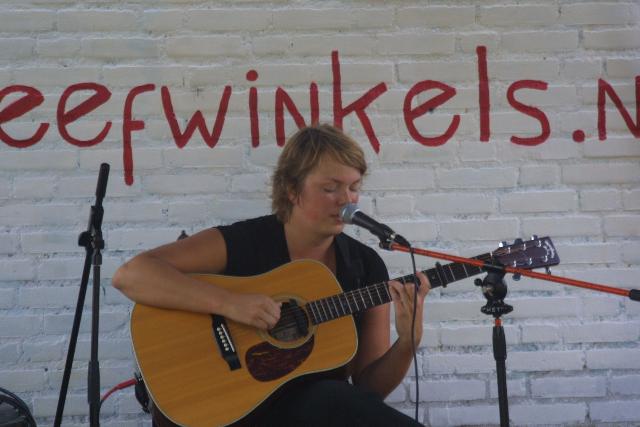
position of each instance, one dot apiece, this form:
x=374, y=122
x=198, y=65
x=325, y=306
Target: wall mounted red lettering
x=30, y=98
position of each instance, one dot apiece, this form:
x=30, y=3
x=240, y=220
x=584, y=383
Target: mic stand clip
x=390, y=237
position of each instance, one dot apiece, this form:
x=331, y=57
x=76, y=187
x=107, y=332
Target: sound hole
x=293, y=324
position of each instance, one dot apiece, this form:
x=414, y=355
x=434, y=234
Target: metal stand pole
x=93, y=243
x=494, y=289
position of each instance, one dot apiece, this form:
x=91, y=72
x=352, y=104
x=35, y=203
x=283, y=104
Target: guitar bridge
x=225, y=342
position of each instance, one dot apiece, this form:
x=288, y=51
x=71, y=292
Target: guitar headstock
x=529, y=254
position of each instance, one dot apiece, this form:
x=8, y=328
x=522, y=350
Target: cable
x=120, y=386
x=413, y=331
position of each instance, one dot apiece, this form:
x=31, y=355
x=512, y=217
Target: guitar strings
x=326, y=307
x=286, y=313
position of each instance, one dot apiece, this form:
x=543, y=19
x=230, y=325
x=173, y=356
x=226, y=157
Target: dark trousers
x=323, y=403
x=332, y=403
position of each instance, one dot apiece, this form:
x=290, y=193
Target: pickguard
x=266, y=362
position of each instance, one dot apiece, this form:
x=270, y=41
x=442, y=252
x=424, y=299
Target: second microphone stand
x=494, y=290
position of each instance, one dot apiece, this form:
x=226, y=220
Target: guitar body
x=191, y=383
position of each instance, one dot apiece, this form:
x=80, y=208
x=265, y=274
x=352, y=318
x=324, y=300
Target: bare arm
x=377, y=366
x=159, y=277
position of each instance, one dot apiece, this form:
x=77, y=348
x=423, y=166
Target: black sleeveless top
x=258, y=245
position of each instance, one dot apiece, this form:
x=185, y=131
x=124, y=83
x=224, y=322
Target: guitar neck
x=361, y=299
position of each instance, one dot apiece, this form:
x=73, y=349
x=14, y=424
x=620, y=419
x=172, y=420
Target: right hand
x=259, y=311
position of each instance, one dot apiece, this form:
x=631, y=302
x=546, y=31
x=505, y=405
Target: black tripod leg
x=94, y=364
x=74, y=337
x=500, y=354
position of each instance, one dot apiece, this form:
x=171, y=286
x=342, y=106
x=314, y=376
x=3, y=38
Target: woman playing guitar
x=319, y=171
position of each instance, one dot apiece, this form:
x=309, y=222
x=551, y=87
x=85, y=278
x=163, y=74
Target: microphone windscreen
x=347, y=212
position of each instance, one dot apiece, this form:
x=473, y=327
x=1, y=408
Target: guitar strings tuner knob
x=534, y=237
x=502, y=244
x=517, y=276
x=548, y=270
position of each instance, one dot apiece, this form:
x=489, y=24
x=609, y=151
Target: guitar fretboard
x=344, y=304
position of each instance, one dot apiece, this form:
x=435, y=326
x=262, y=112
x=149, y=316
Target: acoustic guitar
x=202, y=370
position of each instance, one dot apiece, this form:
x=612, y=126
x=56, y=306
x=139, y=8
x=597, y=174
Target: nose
x=348, y=196
x=353, y=197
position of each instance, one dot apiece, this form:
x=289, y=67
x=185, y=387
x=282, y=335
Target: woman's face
x=327, y=188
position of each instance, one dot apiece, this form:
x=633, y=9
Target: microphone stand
x=494, y=289
x=633, y=294
x=92, y=241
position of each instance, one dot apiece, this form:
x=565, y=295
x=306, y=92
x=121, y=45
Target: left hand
x=402, y=296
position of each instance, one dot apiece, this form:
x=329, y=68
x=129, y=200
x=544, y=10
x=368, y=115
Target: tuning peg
x=548, y=270
x=502, y=244
x=534, y=237
x=517, y=276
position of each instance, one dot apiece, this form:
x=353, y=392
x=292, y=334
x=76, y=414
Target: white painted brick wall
x=615, y=411
x=532, y=41
x=622, y=225
x=626, y=385
x=569, y=387
x=510, y=15
x=463, y=415
x=595, y=13
x=438, y=391
x=557, y=413
x=548, y=201
x=613, y=359
x=436, y=16
x=619, y=39
x=95, y=20
x=572, y=354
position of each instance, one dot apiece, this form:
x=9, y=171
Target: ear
x=292, y=196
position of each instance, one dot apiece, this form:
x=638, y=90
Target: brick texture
x=573, y=354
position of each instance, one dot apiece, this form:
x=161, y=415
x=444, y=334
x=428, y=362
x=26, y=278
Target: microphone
x=351, y=214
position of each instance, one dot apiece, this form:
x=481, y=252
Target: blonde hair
x=302, y=153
